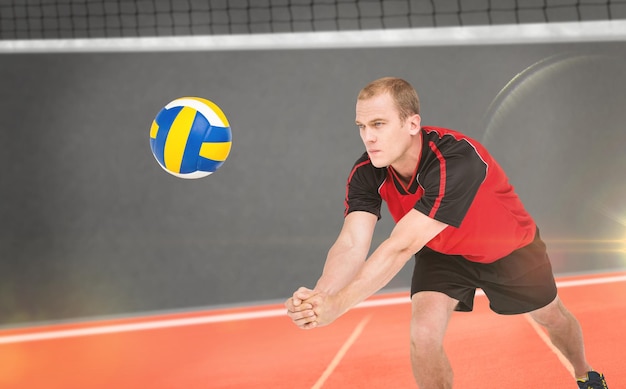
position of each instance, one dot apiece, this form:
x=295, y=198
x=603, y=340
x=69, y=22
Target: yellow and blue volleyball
x=190, y=137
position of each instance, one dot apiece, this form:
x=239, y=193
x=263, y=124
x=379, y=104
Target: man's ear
x=416, y=124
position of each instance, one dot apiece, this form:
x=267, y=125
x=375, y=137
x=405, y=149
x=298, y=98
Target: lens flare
x=558, y=129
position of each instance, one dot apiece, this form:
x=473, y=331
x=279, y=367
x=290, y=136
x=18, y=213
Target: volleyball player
x=457, y=213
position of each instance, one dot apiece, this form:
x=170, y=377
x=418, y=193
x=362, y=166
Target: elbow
x=402, y=252
x=406, y=255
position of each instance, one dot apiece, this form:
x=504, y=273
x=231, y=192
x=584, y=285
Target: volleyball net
x=223, y=24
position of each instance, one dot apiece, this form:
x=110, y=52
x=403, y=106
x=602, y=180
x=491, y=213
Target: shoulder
x=452, y=158
x=448, y=137
x=454, y=146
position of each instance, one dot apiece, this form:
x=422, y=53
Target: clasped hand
x=309, y=308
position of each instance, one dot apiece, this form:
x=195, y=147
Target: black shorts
x=518, y=283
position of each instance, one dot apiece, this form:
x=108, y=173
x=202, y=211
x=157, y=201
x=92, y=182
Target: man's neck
x=407, y=167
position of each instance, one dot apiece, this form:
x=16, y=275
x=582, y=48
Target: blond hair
x=404, y=95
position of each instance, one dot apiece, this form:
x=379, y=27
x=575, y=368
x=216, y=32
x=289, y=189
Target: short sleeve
x=451, y=181
x=362, y=187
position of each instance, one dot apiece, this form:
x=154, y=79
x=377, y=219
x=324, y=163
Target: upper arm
x=358, y=229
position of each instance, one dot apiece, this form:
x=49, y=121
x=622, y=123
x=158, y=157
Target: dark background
x=91, y=226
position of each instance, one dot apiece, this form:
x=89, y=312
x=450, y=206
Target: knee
x=552, y=315
x=431, y=312
x=425, y=339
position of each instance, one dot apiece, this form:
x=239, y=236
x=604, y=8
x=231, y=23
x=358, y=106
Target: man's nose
x=368, y=135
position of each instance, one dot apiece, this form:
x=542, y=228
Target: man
x=457, y=213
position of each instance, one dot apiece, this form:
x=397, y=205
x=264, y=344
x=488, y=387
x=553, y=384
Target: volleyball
x=190, y=137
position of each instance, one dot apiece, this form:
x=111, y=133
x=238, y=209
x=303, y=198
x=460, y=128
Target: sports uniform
x=491, y=241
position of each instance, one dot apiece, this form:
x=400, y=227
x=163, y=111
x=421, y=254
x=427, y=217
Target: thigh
x=551, y=314
x=431, y=313
x=522, y=281
x=451, y=275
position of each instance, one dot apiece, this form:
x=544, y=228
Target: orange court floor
x=259, y=347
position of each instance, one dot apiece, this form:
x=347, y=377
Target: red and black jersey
x=456, y=182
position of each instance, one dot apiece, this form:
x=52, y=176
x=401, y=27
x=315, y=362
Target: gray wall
x=91, y=225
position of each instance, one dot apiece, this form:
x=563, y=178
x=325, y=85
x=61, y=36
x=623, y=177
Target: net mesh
x=62, y=19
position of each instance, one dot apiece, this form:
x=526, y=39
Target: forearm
x=389, y=258
x=384, y=264
x=343, y=262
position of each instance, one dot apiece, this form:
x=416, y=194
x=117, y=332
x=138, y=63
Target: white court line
x=546, y=338
x=221, y=318
x=341, y=353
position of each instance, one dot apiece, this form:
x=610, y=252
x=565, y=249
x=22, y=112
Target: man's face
x=385, y=136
